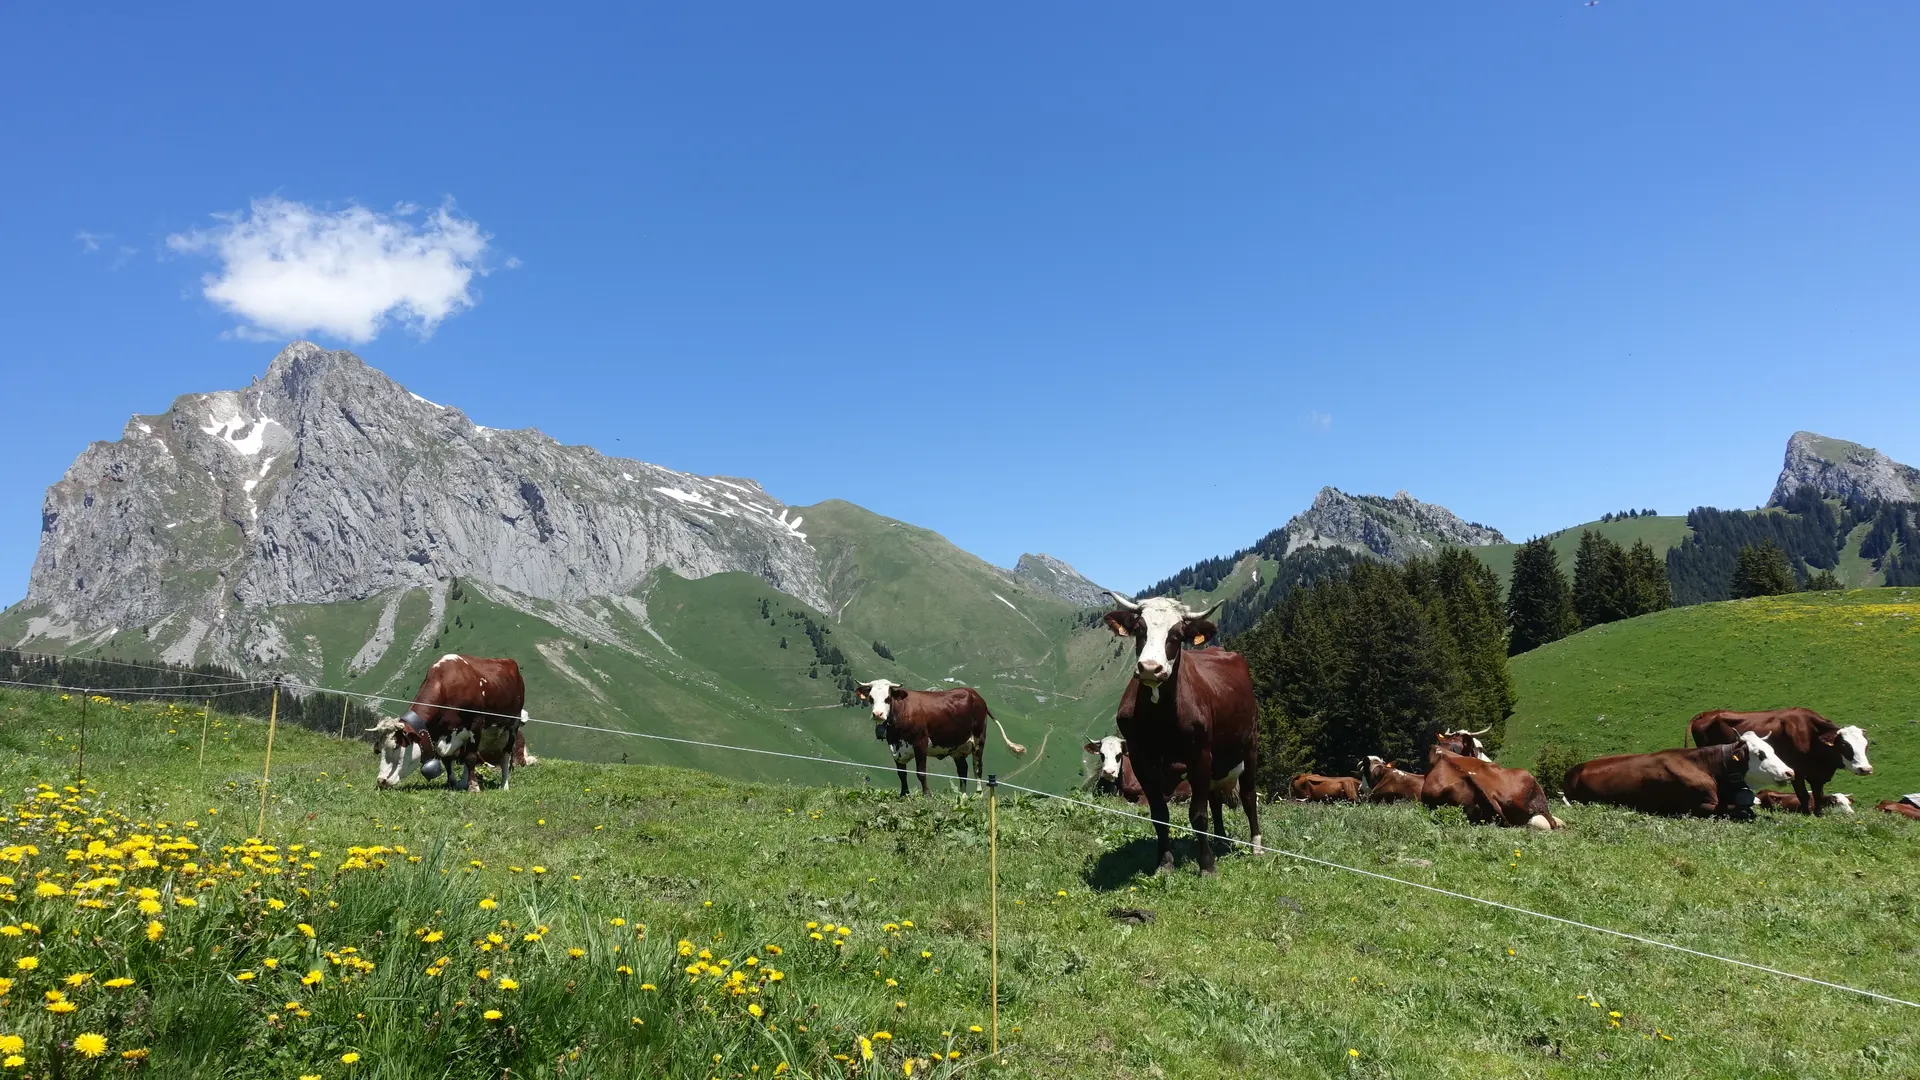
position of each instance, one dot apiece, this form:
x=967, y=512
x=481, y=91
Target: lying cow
x=917, y=724
x=1187, y=713
x=1108, y=770
x=1312, y=787
x=1463, y=742
x=1907, y=806
x=1705, y=782
x=1788, y=801
x=469, y=710
x=1487, y=792
x=1386, y=782
x=1811, y=745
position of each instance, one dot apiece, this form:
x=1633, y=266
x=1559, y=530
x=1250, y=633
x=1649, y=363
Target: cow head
x=1159, y=627
x=1463, y=742
x=1102, y=762
x=1851, y=743
x=1763, y=766
x=882, y=695
x=1840, y=800
x=1373, y=769
x=405, y=747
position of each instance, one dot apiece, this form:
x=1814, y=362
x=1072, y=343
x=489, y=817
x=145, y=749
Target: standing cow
x=917, y=724
x=469, y=709
x=1811, y=745
x=1187, y=713
x=1707, y=781
x=1108, y=770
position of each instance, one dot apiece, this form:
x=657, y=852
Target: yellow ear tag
x=1199, y=639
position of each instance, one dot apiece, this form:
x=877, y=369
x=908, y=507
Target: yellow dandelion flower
x=12, y=1044
x=271, y=962
x=244, y=976
x=61, y=1007
x=755, y=1011
x=90, y=1044
x=47, y=889
x=305, y=930
x=434, y=937
x=506, y=983
x=883, y=1036
x=27, y=963
x=492, y=1014
x=866, y=1049
x=489, y=904
x=349, y=1058
x=118, y=983
x=976, y=1029
x=312, y=978
x=78, y=979
x=149, y=907
x=13, y=1061
x=616, y=922
x=649, y=987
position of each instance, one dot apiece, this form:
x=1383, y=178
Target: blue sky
x=1124, y=283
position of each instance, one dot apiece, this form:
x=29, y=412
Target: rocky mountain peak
x=1050, y=575
x=1395, y=529
x=1838, y=469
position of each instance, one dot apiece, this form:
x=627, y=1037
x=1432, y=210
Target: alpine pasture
x=604, y=920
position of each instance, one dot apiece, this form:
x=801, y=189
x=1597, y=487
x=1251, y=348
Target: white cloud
x=90, y=241
x=287, y=268
x=1318, y=421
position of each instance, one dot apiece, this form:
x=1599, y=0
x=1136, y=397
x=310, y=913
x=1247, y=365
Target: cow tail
x=1017, y=748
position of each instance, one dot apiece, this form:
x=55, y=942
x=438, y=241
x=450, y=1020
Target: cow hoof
x=1208, y=871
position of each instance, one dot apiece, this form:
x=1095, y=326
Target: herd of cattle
x=1186, y=724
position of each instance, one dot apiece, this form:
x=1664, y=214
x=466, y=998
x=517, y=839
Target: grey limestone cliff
x=325, y=481
x=1838, y=469
x=1049, y=575
x=1395, y=529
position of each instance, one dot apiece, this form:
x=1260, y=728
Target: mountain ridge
x=1839, y=469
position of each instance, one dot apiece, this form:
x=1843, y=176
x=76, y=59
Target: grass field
x=1274, y=968
x=1852, y=656
x=1660, y=533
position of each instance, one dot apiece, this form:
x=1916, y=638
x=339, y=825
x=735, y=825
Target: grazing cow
x=1109, y=771
x=1386, y=782
x=1487, y=792
x=1811, y=745
x=1705, y=782
x=1788, y=801
x=1187, y=713
x=1463, y=742
x=469, y=709
x=1907, y=806
x=916, y=724
x=1312, y=787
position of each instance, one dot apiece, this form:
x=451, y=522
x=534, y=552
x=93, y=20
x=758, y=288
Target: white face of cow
x=1102, y=759
x=1840, y=801
x=1764, y=767
x=401, y=756
x=879, y=694
x=1159, y=626
x=1852, y=744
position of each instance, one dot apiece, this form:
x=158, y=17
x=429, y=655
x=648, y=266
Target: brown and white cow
x=1487, y=792
x=1187, y=713
x=1811, y=745
x=1789, y=802
x=1312, y=787
x=917, y=724
x=1907, y=806
x=1386, y=782
x=1463, y=742
x=1108, y=770
x=1706, y=781
x=469, y=709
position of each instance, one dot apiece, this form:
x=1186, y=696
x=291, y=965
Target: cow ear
x=1199, y=631
x=1122, y=622
x=1093, y=748
x=899, y=693
x=1831, y=738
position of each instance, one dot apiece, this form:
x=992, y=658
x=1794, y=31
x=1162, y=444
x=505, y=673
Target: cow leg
x=1819, y=796
x=979, y=764
x=920, y=765
x=900, y=766
x=453, y=770
x=473, y=775
x=960, y=767
x=1200, y=772
x=1800, y=789
x=1217, y=799
x=1250, y=802
x=1162, y=832
x=506, y=770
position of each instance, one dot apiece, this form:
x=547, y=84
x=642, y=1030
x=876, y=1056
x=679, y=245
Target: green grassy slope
x=1852, y=656
x=1660, y=533
x=1274, y=968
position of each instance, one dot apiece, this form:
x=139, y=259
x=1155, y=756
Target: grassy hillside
x=1633, y=685
x=1275, y=968
x=1660, y=533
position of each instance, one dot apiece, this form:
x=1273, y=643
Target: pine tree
x=1600, y=585
x=1539, y=600
x=1648, y=589
x=1762, y=571
x=1824, y=581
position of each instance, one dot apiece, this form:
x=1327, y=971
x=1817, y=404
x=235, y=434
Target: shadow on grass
x=1119, y=867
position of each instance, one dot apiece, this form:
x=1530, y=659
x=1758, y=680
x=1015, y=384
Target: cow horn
x=1207, y=614
x=1477, y=734
x=1130, y=605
